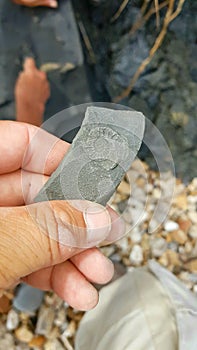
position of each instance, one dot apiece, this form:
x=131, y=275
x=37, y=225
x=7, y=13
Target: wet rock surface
x=166, y=91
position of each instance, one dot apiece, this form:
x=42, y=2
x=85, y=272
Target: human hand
x=32, y=90
x=29, y=235
x=35, y=3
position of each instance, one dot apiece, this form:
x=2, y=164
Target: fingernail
x=98, y=223
x=53, y=4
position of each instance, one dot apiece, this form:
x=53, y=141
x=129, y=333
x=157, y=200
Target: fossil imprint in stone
x=100, y=155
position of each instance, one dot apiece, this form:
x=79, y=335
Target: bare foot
x=31, y=93
x=35, y=3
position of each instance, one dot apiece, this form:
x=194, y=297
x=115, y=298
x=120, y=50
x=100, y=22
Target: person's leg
x=134, y=313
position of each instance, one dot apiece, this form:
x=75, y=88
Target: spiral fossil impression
x=101, y=153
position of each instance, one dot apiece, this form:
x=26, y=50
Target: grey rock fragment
x=28, y=299
x=101, y=153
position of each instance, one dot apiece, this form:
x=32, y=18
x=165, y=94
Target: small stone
x=153, y=225
x=108, y=250
x=173, y=258
x=181, y=201
x=158, y=246
x=156, y=193
x=53, y=345
x=163, y=260
x=192, y=265
x=7, y=342
x=148, y=188
x=124, y=188
x=4, y=305
x=24, y=334
x=12, y=320
x=192, y=199
x=179, y=236
x=67, y=344
x=145, y=244
x=139, y=194
x=60, y=318
x=141, y=182
x=195, y=288
x=70, y=330
x=45, y=321
x=184, y=224
x=37, y=342
x=136, y=236
x=123, y=245
x=193, y=232
x=54, y=333
x=188, y=247
x=173, y=246
x=193, y=216
x=127, y=216
x=171, y=226
x=193, y=185
x=28, y=299
x=136, y=255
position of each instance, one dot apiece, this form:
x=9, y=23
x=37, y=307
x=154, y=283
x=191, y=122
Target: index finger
x=30, y=148
x=29, y=64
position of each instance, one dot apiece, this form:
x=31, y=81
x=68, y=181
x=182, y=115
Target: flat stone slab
x=100, y=155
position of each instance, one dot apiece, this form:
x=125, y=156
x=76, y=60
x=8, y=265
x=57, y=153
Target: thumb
x=44, y=234
x=29, y=64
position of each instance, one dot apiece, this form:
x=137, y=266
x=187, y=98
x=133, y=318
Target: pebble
x=158, y=246
x=173, y=258
x=179, y=236
x=28, y=299
x=60, y=317
x=184, y=224
x=53, y=345
x=37, y=342
x=173, y=246
x=195, y=288
x=193, y=216
x=193, y=232
x=70, y=330
x=123, y=245
x=136, y=236
x=186, y=276
x=67, y=344
x=170, y=226
x=188, y=247
x=12, y=320
x=192, y=199
x=192, y=265
x=136, y=255
x=24, y=334
x=156, y=193
x=45, y=321
x=181, y=201
x=7, y=342
x=124, y=188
